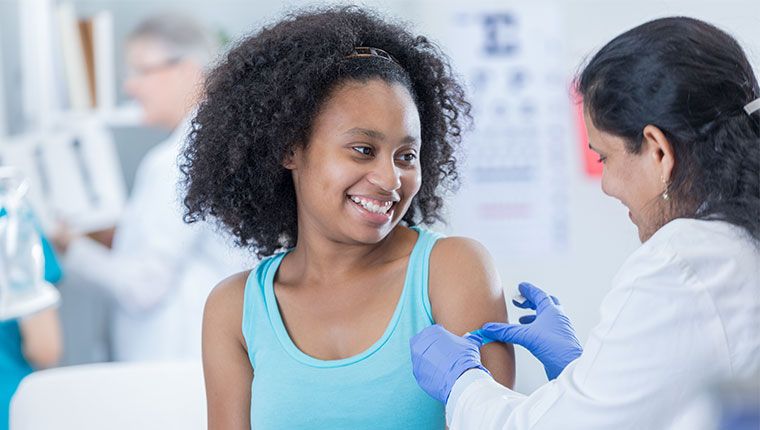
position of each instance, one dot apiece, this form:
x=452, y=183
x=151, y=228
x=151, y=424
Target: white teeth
x=372, y=207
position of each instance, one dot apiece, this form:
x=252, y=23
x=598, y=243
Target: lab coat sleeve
x=497, y=396
x=657, y=340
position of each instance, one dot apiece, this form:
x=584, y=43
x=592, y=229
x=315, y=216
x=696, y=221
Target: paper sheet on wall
x=514, y=193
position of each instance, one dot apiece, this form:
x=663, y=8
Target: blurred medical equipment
x=73, y=173
x=737, y=403
x=726, y=404
x=23, y=289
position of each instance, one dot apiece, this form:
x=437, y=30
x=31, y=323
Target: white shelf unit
x=51, y=56
x=68, y=153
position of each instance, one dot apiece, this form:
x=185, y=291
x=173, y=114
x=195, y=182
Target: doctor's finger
x=506, y=333
x=534, y=294
x=525, y=304
x=527, y=319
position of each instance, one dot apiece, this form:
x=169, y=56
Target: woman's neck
x=320, y=259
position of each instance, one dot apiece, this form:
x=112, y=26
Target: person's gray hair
x=181, y=35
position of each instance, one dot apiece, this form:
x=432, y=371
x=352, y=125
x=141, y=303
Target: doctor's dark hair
x=691, y=80
x=262, y=99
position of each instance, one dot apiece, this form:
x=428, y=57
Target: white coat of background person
x=672, y=107
x=158, y=269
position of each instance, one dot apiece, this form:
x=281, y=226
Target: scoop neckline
x=273, y=309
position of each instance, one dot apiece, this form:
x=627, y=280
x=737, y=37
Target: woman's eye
x=408, y=157
x=601, y=159
x=363, y=150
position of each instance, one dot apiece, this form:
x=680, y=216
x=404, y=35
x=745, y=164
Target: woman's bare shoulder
x=224, y=305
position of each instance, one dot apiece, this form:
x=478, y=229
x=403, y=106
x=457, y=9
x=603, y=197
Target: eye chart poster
x=514, y=171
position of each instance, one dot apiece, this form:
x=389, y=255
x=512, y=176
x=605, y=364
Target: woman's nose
x=385, y=175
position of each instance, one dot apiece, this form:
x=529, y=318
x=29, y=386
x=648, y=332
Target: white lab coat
x=683, y=312
x=160, y=270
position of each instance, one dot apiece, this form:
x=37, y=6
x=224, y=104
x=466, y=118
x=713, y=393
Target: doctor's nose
x=606, y=186
x=385, y=175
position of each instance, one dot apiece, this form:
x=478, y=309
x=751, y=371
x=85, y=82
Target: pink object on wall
x=591, y=165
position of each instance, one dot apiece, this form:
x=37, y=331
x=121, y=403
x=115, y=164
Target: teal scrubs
x=13, y=365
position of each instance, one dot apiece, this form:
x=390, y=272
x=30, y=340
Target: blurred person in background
x=29, y=343
x=157, y=268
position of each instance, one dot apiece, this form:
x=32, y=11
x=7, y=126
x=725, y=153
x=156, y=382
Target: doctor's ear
x=658, y=147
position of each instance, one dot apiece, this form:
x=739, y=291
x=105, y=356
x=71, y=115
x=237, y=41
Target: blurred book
x=103, y=50
x=74, y=63
x=87, y=52
x=85, y=28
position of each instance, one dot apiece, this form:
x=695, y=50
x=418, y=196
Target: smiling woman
x=372, y=169
x=323, y=141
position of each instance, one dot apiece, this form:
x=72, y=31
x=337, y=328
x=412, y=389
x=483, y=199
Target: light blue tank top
x=372, y=390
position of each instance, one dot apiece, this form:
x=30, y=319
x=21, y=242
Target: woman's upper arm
x=226, y=368
x=465, y=292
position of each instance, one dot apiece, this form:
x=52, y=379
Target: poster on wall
x=514, y=168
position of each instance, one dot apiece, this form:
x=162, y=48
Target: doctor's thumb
x=505, y=333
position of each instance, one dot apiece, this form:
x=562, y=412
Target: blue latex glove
x=548, y=334
x=440, y=357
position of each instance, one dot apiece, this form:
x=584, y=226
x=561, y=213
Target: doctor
x=673, y=109
x=158, y=269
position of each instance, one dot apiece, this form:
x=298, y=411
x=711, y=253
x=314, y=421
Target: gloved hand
x=548, y=334
x=440, y=357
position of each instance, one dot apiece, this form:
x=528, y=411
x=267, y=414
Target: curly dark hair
x=691, y=80
x=261, y=100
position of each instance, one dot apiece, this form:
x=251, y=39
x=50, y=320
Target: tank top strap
x=254, y=301
x=417, y=296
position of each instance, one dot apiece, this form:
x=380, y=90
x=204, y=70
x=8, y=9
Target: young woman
x=323, y=141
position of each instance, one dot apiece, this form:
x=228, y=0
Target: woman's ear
x=660, y=150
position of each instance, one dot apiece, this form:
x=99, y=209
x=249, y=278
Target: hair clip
x=368, y=52
x=752, y=106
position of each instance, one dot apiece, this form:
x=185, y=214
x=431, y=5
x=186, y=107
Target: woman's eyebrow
x=377, y=135
x=372, y=134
